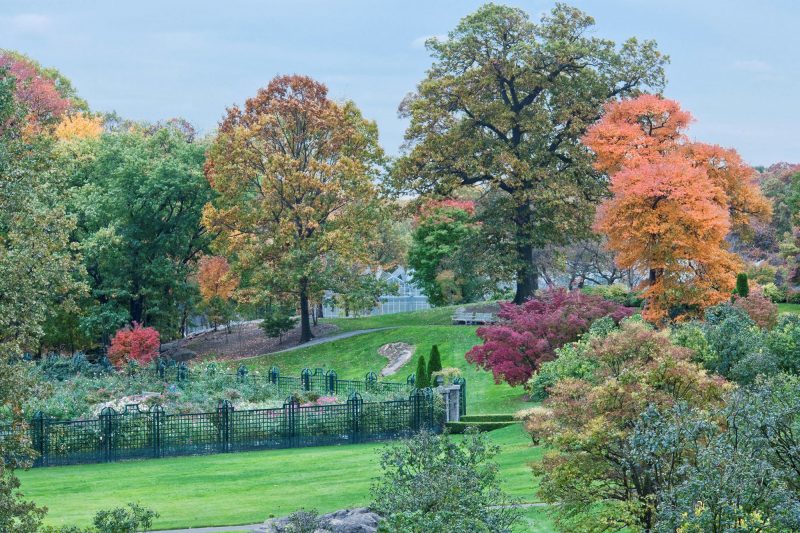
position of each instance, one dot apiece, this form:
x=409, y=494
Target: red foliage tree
x=530, y=333
x=36, y=92
x=134, y=344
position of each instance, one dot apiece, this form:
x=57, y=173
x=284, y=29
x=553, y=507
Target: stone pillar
x=451, y=394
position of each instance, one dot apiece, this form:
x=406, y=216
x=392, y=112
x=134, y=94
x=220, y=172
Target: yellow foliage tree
x=79, y=126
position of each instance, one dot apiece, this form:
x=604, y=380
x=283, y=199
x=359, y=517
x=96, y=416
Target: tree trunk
x=527, y=274
x=305, y=315
x=320, y=314
x=137, y=310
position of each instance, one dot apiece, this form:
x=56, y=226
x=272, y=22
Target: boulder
x=359, y=520
x=175, y=352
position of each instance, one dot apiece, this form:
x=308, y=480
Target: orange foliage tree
x=673, y=204
x=79, y=126
x=215, y=278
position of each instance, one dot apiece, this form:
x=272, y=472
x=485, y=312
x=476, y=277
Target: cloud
x=752, y=65
x=419, y=42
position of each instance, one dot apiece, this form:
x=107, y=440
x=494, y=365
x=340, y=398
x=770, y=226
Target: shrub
x=793, y=297
x=447, y=374
x=421, y=378
x=742, y=285
x=774, y=293
x=435, y=483
x=570, y=362
x=530, y=333
x=691, y=335
x=760, y=308
x=616, y=293
x=434, y=363
x=124, y=520
x=737, y=344
x=134, y=344
x=784, y=341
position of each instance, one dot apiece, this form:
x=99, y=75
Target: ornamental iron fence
x=137, y=433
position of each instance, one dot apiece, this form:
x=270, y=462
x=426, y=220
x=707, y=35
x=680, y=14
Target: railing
x=138, y=434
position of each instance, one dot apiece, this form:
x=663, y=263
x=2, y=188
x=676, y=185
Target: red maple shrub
x=134, y=344
x=529, y=334
x=759, y=308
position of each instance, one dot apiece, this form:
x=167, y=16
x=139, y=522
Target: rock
x=398, y=353
x=359, y=520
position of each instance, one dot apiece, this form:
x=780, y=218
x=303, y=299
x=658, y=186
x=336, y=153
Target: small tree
x=134, y=344
x=422, y=379
x=278, y=320
x=742, y=285
x=434, y=363
x=435, y=483
x=128, y=519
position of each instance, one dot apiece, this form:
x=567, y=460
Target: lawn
x=245, y=488
x=353, y=357
x=789, y=308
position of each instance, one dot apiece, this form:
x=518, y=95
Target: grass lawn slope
x=244, y=488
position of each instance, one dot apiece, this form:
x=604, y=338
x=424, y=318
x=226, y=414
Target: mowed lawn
x=244, y=488
x=353, y=357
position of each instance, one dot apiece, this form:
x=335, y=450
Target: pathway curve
x=321, y=340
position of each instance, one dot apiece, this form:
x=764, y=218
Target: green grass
x=789, y=308
x=438, y=316
x=244, y=488
x=353, y=357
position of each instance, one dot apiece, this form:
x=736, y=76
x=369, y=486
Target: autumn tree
x=297, y=201
x=36, y=267
x=503, y=108
x=674, y=203
x=78, y=126
x=217, y=283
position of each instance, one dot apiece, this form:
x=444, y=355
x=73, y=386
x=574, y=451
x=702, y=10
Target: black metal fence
x=317, y=380
x=138, y=434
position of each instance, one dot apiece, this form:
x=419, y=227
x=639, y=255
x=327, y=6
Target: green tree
x=504, y=106
x=436, y=253
x=138, y=194
x=421, y=378
x=742, y=285
x=36, y=267
x=434, y=362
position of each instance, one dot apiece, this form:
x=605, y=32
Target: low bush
x=503, y=417
x=134, y=344
x=774, y=293
x=759, y=308
x=435, y=483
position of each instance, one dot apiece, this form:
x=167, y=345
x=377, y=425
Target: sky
x=734, y=63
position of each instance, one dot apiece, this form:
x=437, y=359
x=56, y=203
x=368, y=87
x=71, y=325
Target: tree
x=138, y=195
x=529, y=334
x=134, y=344
x=294, y=172
x=278, y=320
x=607, y=466
x=742, y=285
x=504, y=106
x=434, y=362
x=38, y=94
x=435, y=255
x=36, y=263
x=674, y=203
x=421, y=378
x=436, y=483
x=217, y=283
x=78, y=126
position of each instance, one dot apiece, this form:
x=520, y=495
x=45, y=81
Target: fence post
x=417, y=404
x=411, y=379
x=274, y=374
x=183, y=371
x=354, y=407
x=370, y=380
x=241, y=373
x=38, y=437
x=107, y=433
x=331, y=381
x=224, y=409
x=290, y=408
x=157, y=413
x=462, y=395
x=305, y=379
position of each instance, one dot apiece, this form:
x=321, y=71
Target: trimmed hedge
x=457, y=428
x=488, y=418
